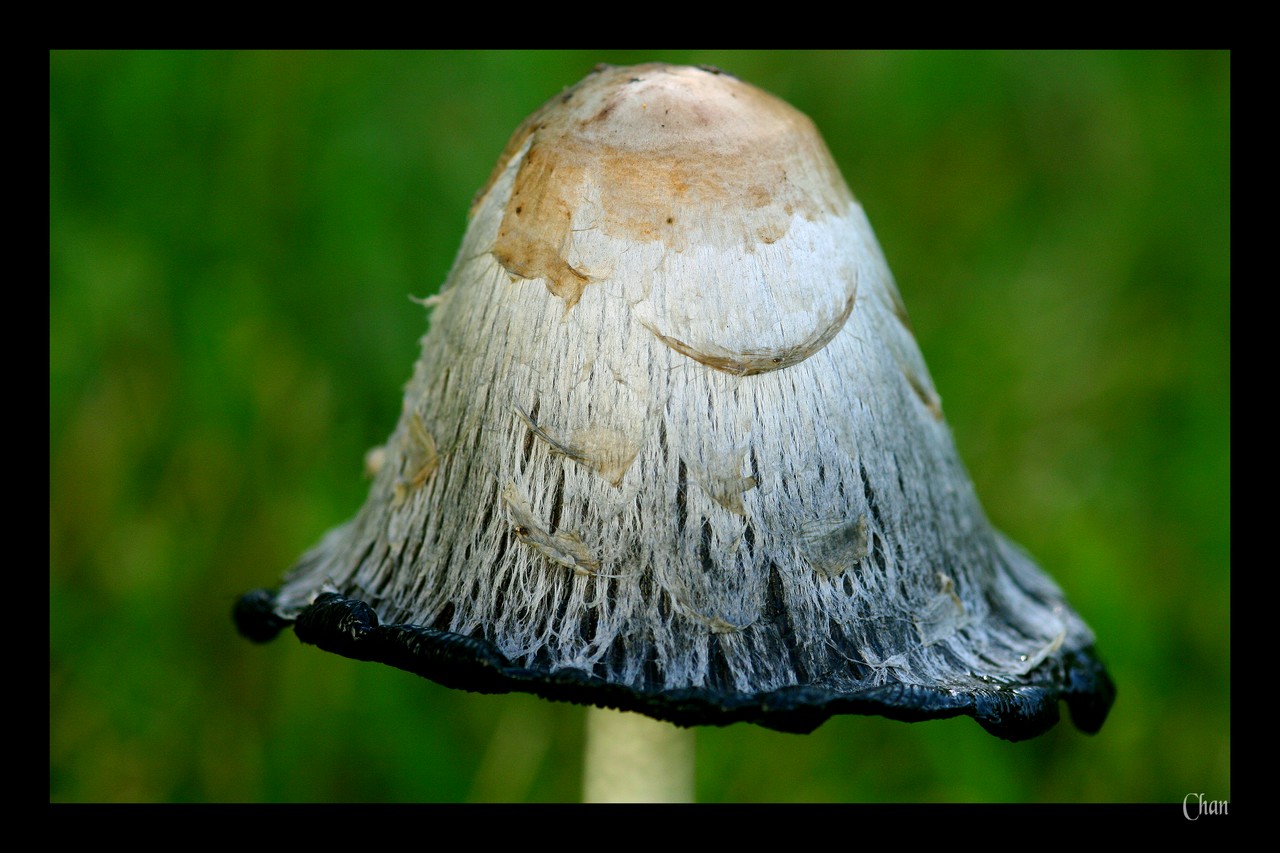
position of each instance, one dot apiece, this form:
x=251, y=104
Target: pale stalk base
x=631, y=758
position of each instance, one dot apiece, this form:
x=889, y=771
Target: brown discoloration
x=655, y=144
x=514, y=145
x=943, y=615
x=770, y=233
x=731, y=499
x=718, y=624
x=723, y=481
x=927, y=395
x=374, y=459
x=603, y=114
x=949, y=588
x=897, y=307
x=535, y=231
x=835, y=549
x=608, y=452
x=751, y=362
x=538, y=431
x=421, y=459
x=565, y=549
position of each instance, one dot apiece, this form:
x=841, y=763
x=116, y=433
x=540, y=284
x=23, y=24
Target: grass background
x=233, y=241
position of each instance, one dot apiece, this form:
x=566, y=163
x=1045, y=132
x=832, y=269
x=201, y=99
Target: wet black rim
x=350, y=627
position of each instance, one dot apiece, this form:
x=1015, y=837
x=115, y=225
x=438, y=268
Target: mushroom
x=671, y=448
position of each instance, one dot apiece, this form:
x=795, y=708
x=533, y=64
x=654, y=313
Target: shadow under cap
x=671, y=448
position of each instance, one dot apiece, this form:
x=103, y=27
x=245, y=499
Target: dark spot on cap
x=711, y=69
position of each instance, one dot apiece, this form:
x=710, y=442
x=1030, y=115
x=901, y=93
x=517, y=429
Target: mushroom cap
x=671, y=447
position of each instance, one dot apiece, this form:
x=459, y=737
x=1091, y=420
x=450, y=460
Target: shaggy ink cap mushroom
x=671, y=448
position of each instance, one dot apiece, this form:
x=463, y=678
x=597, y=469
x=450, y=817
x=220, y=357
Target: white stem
x=631, y=758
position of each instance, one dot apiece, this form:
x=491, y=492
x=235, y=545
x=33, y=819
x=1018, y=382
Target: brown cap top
x=663, y=152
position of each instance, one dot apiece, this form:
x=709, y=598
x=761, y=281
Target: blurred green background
x=233, y=240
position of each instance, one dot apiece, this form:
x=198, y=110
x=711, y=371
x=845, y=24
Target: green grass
x=234, y=238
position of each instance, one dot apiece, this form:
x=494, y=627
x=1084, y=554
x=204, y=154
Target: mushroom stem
x=631, y=758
